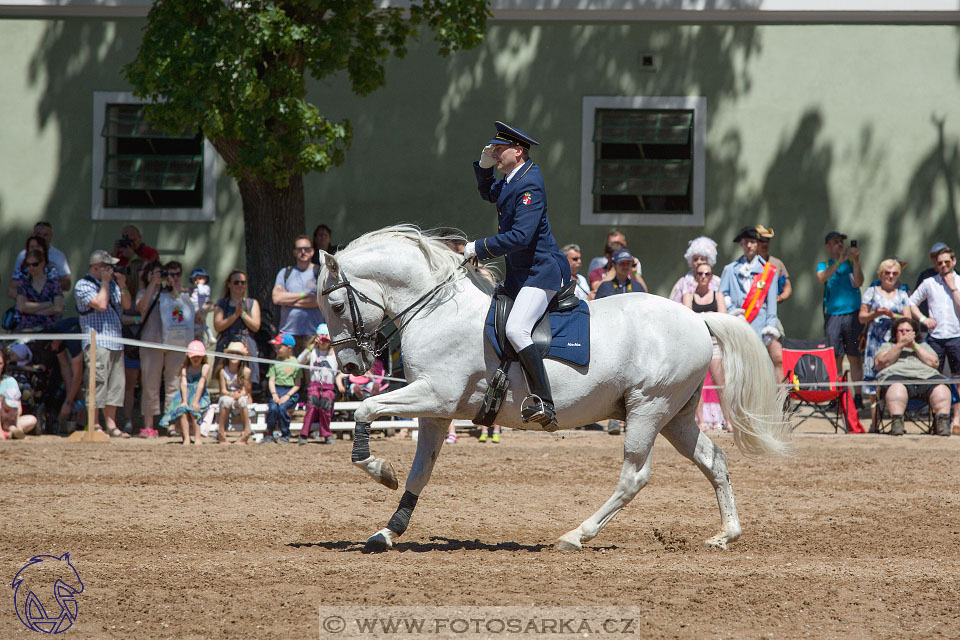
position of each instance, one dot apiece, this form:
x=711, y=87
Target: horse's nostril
x=350, y=368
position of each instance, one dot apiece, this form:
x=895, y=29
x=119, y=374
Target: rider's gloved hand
x=470, y=251
x=486, y=157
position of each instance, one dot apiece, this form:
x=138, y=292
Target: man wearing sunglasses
x=295, y=292
x=942, y=297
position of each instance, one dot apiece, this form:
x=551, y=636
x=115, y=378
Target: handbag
x=11, y=318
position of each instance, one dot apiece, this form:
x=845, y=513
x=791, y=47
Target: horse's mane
x=444, y=263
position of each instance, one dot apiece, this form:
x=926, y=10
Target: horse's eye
x=338, y=307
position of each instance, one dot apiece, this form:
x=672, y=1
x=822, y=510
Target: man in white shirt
x=56, y=257
x=942, y=293
x=575, y=258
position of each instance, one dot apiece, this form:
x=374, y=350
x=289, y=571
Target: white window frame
x=588, y=216
x=206, y=213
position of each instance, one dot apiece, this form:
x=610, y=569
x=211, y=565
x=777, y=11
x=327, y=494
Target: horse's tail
x=750, y=399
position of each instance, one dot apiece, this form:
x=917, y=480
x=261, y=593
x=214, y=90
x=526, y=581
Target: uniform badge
x=526, y=198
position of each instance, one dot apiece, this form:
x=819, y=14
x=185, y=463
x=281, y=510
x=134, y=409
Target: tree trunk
x=272, y=218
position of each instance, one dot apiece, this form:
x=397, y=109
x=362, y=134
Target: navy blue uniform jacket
x=524, y=237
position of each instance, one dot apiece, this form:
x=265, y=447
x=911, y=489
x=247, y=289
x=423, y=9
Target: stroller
x=38, y=376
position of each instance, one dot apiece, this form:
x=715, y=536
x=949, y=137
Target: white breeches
x=529, y=305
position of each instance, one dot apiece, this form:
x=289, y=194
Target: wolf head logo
x=45, y=593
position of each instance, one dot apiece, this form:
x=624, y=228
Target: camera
x=164, y=273
x=853, y=244
x=124, y=242
x=124, y=270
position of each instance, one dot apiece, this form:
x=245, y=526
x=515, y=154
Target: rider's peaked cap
x=511, y=135
x=747, y=232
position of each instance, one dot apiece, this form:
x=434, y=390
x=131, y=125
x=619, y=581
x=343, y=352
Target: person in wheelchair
x=535, y=267
x=902, y=359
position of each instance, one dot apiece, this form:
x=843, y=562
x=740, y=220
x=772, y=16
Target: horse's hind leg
x=429, y=441
x=643, y=423
x=682, y=432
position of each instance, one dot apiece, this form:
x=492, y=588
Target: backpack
x=811, y=369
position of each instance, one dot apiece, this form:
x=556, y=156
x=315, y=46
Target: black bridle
x=374, y=342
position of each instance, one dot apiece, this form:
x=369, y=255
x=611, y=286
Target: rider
x=536, y=268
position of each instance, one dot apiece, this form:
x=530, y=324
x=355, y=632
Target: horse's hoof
x=388, y=476
x=380, y=470
x=716, y=543
x=568, y=544
x=377, y=543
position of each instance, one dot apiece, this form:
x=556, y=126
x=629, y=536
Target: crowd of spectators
x=132, y=294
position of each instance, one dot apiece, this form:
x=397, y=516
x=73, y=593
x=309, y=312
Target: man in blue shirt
x=295, y=292
x=842, y=278
x=623, y=281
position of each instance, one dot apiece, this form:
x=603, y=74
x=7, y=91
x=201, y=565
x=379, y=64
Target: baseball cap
x=938, y=247
x=834, y=234
x=196, y=348
x=11, y=396
x=622, y=255
x=102, y=257
x=323, y=331
x=284, y=338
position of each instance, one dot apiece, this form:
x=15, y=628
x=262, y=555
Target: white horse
x=648, y=360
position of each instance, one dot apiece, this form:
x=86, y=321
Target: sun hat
x=237, y=348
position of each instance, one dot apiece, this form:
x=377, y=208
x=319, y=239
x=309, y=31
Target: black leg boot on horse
x=538, y=406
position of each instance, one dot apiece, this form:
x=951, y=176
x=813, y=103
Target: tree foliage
x=237, y=70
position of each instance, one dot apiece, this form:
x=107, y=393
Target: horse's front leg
x=429, y=441
x=414, y=400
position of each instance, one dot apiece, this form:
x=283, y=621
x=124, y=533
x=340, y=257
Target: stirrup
x=539, y=411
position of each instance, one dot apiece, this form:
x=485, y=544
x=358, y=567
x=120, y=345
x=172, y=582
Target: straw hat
x=237, y=348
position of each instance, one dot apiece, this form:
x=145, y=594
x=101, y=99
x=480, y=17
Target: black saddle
x=565, y=300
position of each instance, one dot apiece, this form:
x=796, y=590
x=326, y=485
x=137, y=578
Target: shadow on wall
x=533, y=76
x=929, y=207
x=73, y=59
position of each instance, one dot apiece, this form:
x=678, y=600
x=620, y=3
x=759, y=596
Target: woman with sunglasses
x=703, y=299
x=880, y=305
x=236, y=318
x=39, y=297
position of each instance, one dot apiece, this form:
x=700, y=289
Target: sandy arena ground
x=854, y=537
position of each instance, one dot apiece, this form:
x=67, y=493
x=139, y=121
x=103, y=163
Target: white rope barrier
x=49, y=337
x=31, y=337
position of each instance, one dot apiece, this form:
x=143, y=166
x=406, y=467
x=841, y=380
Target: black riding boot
x=538, y=406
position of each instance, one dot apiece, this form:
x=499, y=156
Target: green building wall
x=809, y=128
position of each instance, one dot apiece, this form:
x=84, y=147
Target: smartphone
x=853, y=243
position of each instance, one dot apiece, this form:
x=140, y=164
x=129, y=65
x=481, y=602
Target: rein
x=375, y=342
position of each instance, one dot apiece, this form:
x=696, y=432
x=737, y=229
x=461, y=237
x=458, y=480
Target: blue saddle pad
x=570, y=331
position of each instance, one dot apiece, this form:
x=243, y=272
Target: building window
x=142, y=173
x=642, y=161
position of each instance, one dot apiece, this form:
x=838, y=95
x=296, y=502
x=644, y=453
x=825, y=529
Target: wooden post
x=91, y=434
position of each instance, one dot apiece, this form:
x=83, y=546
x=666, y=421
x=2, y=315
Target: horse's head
x=352, y=316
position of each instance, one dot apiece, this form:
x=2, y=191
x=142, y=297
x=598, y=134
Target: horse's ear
x=332, y=266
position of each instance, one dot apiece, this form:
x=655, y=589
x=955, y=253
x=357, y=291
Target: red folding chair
x=824, y=398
